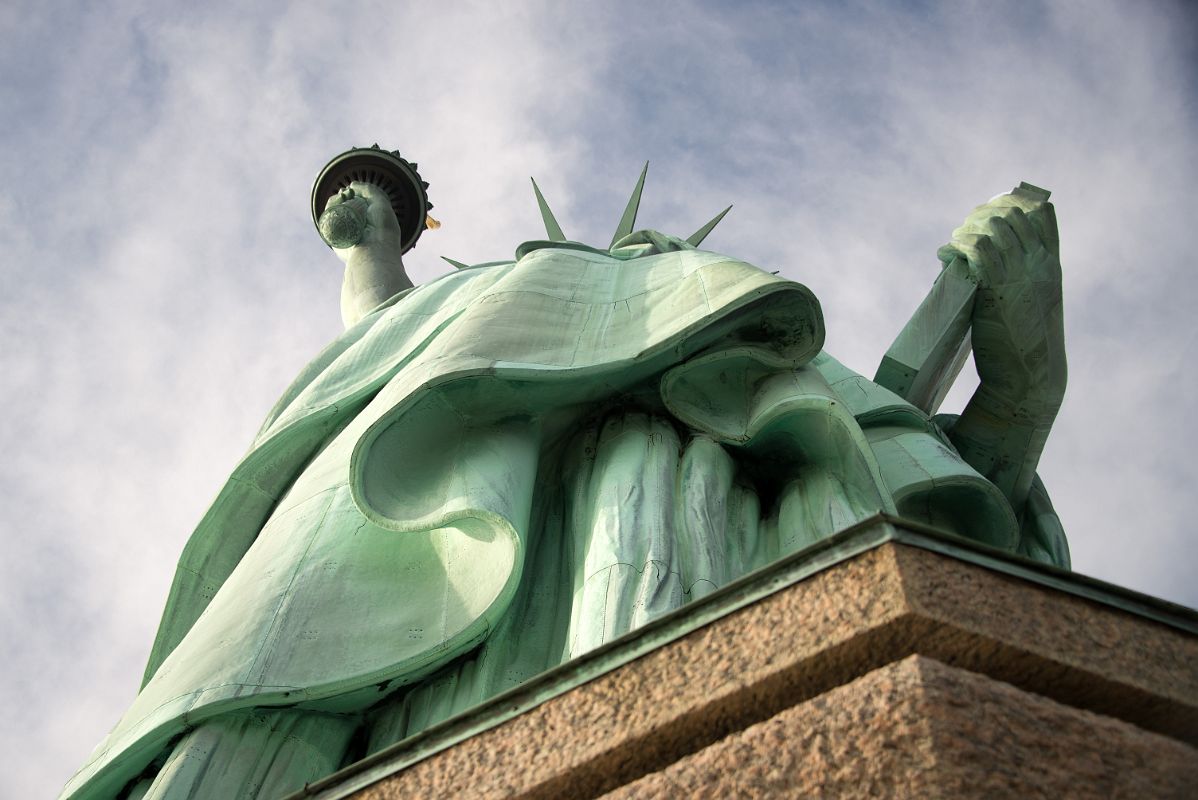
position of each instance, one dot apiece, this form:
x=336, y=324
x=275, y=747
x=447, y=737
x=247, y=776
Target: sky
x=161, y=280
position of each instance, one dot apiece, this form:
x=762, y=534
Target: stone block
x=893, y=662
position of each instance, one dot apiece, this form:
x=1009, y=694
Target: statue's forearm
x=361, y=227
x=1019, y=350
x=1002, y=442
x=373, y=274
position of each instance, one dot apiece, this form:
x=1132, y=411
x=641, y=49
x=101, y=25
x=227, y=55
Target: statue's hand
x=1011, y=239
x=1011, y=249
x=361, y=217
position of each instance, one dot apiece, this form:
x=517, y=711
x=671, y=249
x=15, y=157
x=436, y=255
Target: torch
x=343, y=225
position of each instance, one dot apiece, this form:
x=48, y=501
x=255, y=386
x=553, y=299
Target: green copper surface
x=628, y=220
x=696, y=238
x=552, y=229
x=520, y=462
x=342, y=226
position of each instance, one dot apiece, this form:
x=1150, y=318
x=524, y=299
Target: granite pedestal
x=888, y=661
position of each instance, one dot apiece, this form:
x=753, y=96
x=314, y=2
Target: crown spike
x=455, y=264
x=628, y=221
x=551, y=227
x=696, y=238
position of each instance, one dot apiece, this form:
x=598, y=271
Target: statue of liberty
x=492, y=473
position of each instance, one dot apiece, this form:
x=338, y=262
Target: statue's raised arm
x=1001, y=288
x=360, y=227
